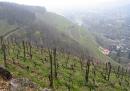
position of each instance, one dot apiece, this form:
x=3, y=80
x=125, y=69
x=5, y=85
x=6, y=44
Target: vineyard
x=58, y=69
x=44, y=51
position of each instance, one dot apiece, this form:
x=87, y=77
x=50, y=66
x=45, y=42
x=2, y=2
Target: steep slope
x=55, y=53
x=38, y=25
x=75, y=32
x=72, y=71
x=109, y=25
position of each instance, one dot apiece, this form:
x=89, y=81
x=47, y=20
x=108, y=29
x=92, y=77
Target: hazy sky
x=65, y=4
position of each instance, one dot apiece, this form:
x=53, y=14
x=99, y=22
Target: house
x=105, y=51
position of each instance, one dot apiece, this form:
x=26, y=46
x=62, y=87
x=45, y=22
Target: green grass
x=39, y=73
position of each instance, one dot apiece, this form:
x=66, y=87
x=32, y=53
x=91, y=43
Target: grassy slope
x=5, y=27
x=82, y=36
x=61, y=24
x=77, y=33
x=39, y=72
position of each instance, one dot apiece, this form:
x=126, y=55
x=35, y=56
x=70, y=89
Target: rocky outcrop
x=23, y=84
x=7, y=83
x=5, y=74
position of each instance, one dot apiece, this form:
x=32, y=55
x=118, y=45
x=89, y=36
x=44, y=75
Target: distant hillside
x=110, y=26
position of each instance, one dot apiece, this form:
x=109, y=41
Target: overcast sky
x=67, y=4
